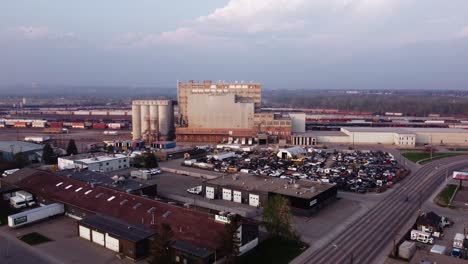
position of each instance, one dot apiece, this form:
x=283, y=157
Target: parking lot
x=174, y=187
x=65, y=247
x=356, y=171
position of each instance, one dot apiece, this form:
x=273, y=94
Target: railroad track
x=365, y=238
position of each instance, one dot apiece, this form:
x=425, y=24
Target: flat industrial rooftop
x=300, y=188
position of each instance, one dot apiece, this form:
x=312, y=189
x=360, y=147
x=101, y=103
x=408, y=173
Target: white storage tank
x=166, y=119
x=136, y=121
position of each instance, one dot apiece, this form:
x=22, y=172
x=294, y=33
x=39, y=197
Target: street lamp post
x=346, y=253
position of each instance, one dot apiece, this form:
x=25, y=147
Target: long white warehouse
x=403, y=137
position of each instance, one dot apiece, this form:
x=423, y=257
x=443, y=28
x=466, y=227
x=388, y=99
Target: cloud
x=39, y=33
x=31, y=32
x=242, y=20
x=177, y=37
x=463, y=33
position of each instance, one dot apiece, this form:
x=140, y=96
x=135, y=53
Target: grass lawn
x=34, y=238
x=274, y=250
x=443, y=198
x=419, y=156
x=5, y=211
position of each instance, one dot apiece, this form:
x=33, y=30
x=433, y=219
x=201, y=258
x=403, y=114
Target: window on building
x=177, y=259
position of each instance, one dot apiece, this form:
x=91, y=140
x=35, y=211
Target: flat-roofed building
x=305, y=197
x=245, y=92
x=403, y=137
x=95, y=162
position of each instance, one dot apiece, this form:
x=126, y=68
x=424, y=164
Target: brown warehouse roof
x=194, y=227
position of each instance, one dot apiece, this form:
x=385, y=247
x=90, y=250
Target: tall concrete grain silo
x=153, y=119
x=136, y=121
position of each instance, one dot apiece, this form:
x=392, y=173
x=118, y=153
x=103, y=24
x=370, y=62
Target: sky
x=284, y=44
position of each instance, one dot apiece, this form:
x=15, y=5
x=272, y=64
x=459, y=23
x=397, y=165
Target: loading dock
x=112, y=243
x=210, y=193
x=84, y=232
x=237, y=197
x=227, y=194
x=98, y=238
x=116, y=235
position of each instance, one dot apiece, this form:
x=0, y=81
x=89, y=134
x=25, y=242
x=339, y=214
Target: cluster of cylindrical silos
x=153, y=117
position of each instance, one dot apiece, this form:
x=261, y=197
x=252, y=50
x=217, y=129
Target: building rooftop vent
x=167, y=214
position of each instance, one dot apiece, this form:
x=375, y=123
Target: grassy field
x=275, y=251
x=34, y=239
x=443, y=198
x=422, y=156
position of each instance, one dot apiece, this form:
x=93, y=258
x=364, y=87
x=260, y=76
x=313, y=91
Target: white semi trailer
x=35, y=214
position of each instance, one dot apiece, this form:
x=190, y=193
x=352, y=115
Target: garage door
x=210, y=192
x=98, y=238
x=254, y=200
x=112, y=243
x=237, y=197
x=84, y=232
x=227, y=194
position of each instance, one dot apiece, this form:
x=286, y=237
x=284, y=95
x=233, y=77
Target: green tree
x=277, y=217
x=71, y=148
x=110, y=148
x=231, y=240
x=48, y=155
x=150, y=160
x=138, y=161
x=161, y=246
x=20, y=160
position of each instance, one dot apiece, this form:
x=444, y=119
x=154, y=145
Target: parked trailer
x=99, y=125
x=56, y=124
x=78, y=125
x=35, y=214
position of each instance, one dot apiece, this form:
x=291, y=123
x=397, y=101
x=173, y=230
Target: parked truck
x=22, y=199
x=35, y=214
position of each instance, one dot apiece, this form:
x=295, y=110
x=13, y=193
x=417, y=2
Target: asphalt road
x=365, y=239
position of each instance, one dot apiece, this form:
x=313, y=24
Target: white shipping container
x=35, y=214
